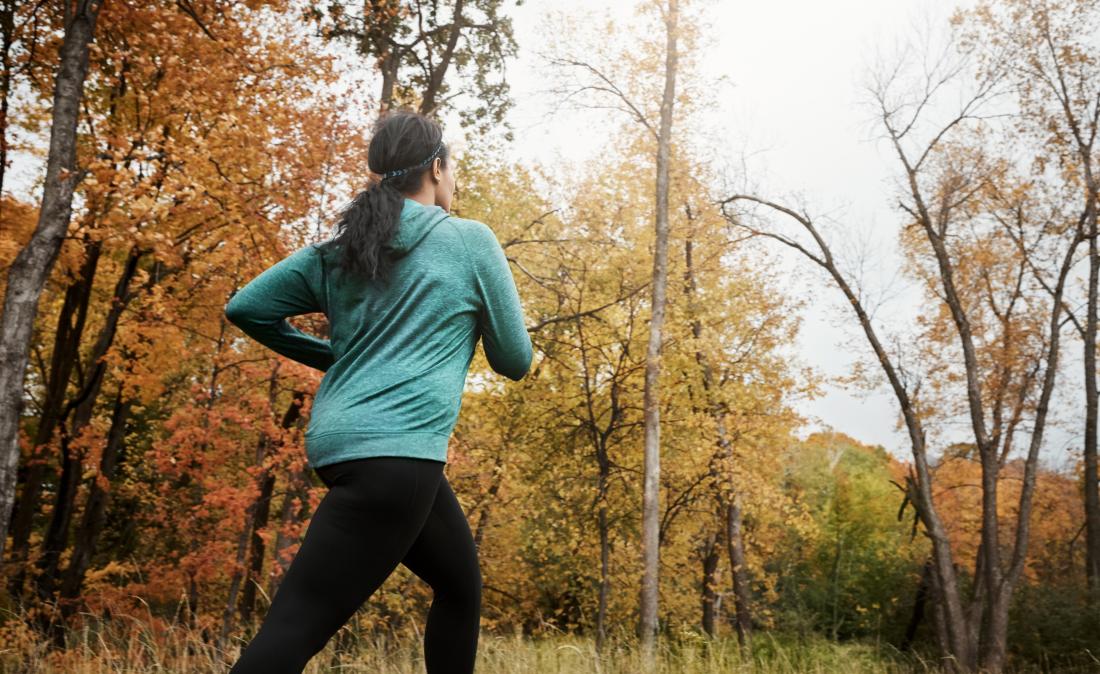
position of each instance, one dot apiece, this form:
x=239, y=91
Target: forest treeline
x=152, y=456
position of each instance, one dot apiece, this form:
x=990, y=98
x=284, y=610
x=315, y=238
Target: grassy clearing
x=130, y=646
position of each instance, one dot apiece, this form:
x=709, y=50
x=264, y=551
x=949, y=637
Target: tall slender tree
x=1056, y=66
x=27, y=275
x=652, y=467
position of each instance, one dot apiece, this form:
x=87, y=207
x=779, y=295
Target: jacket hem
x=336, y=446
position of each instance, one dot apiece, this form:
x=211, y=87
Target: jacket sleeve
x=288, y=288
x=500, y=318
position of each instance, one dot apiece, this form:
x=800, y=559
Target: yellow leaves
x=140, y=208
x=229, y=118
x=111, y=569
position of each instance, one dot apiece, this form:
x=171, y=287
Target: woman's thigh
x=363, y=527
x=444, y=554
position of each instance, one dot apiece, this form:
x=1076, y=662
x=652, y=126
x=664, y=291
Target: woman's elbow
x=236, y=311
x=518, y=367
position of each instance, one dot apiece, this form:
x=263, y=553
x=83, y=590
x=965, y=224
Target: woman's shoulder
x=475, y=234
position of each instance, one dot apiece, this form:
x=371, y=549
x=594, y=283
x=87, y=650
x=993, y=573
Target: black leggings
x=378, y=512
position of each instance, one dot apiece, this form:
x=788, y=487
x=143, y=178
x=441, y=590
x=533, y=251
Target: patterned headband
x=394, y=174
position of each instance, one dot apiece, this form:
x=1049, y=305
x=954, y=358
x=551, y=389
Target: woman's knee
x=462, y=586
x=280, y=648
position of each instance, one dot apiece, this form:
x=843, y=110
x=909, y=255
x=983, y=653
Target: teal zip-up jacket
x=397, y=358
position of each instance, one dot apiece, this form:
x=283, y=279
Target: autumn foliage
x=162, y=470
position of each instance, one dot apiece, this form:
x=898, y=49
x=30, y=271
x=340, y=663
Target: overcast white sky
x=794, y=70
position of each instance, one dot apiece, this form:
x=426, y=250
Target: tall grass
x=131, y=645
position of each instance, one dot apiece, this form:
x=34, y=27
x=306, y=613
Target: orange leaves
x=17, y=222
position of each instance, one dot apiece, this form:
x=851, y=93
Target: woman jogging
x=407, y=289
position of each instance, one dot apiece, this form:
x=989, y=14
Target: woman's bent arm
x=287, y=288
x=504, y=333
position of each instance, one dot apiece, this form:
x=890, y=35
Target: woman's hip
x=383, y=483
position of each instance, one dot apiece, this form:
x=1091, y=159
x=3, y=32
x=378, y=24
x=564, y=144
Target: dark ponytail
x=402, y=139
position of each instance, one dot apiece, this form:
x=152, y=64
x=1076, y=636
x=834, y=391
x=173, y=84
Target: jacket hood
x=416, y=221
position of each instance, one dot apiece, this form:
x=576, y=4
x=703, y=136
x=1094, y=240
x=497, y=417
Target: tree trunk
x=648, y=623
x=995, y=643
x=605, y=559
x=57, y=534
x=67, y=336
x=95, y=510
x=918, y=606
x=259, y=549
x=228, y=611
x=721, y=469
x=939, y=616
x=485, y=511
x=255, y=510
x=736, y=550
x=192, y=600
x=28, y=273
x=7, y=29
x=711, y=555
x=261, y=515
x=1090, y=480
x=298, y=489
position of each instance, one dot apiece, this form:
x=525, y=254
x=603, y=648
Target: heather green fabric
x=398, y=354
